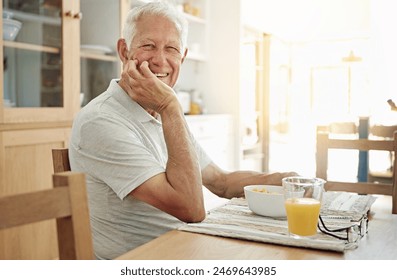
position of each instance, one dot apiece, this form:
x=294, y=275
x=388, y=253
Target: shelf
x=51, y=90
x=96, y=56
x=30, y=47
x=35, y=18
x=51, y=67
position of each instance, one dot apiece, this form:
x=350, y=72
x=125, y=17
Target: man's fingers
x=144, y=67
x=131, y=69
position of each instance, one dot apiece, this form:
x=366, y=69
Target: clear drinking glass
x=303, y=198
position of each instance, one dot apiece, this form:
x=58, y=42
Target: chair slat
x=60, y=160
x=66, y=202
x=31, y=207
x=324, y=144
x=360, y=188
x=361, y=144
x=81, y=230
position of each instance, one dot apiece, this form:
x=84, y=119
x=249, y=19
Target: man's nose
x=159, y=57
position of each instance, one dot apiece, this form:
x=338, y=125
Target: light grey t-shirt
x=118, y=145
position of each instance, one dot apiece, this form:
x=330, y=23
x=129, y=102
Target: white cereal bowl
x=266, y=200
x=10, y=29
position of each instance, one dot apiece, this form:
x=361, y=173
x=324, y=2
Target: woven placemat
x=236, y=220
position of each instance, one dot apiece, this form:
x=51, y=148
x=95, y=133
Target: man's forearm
x=183, y=169
x=231, y=184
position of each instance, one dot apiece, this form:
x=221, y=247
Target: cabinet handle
x=78, y=15
x=74, y=15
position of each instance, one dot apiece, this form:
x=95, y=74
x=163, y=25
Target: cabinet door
x=25, y=166
x=40, y=80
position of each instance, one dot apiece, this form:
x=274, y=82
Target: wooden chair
x=66, y=202
x=382, y=132
x=60, y=160
x=324, y=143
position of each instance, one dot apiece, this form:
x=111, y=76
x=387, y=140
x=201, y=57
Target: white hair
x=158, y=9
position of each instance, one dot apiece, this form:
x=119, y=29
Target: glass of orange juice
x=302, y=203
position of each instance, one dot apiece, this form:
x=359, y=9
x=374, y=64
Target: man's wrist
x=170, y=106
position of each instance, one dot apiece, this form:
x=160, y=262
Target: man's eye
x=173, y=49
x=148, y=47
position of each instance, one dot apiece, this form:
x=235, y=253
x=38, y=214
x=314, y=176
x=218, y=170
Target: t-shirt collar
x=127, y=102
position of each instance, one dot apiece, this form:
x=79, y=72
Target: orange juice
x=302, y=215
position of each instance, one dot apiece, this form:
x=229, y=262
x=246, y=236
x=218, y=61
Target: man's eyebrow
x=144, y=40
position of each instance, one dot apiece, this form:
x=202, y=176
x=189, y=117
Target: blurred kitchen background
x=261, y=76
x=329, y=62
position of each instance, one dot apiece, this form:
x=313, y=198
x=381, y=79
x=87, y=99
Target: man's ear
x=184, y=55
x=122, y=50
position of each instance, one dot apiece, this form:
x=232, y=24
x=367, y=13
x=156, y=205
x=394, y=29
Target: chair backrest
x=60, y=160
x=324, y=143
x=66, y=202
x=343, y=128
x=384, y=131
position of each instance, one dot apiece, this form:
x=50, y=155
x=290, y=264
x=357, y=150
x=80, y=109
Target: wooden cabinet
x=40, y=95
x=25, y=165
x=38, y=100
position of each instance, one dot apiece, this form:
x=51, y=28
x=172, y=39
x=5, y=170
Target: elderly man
x=144, y=169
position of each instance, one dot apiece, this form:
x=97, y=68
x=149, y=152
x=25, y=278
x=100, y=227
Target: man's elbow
x=196, y=216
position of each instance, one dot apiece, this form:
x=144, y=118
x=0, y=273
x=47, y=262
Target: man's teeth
x=161, y=74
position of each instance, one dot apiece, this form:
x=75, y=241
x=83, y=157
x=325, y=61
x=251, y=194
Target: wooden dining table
x=380, y=243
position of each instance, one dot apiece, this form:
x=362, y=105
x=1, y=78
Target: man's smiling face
x=157, y=41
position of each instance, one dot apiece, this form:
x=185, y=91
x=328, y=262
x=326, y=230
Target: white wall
x=297, y=20
x=224, y=62
x=384, y=46
x=314, y=20
x=224, y=56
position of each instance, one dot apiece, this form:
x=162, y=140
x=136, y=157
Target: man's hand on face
x=145, y=88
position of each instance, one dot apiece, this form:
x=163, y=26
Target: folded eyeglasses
x=351, y=234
